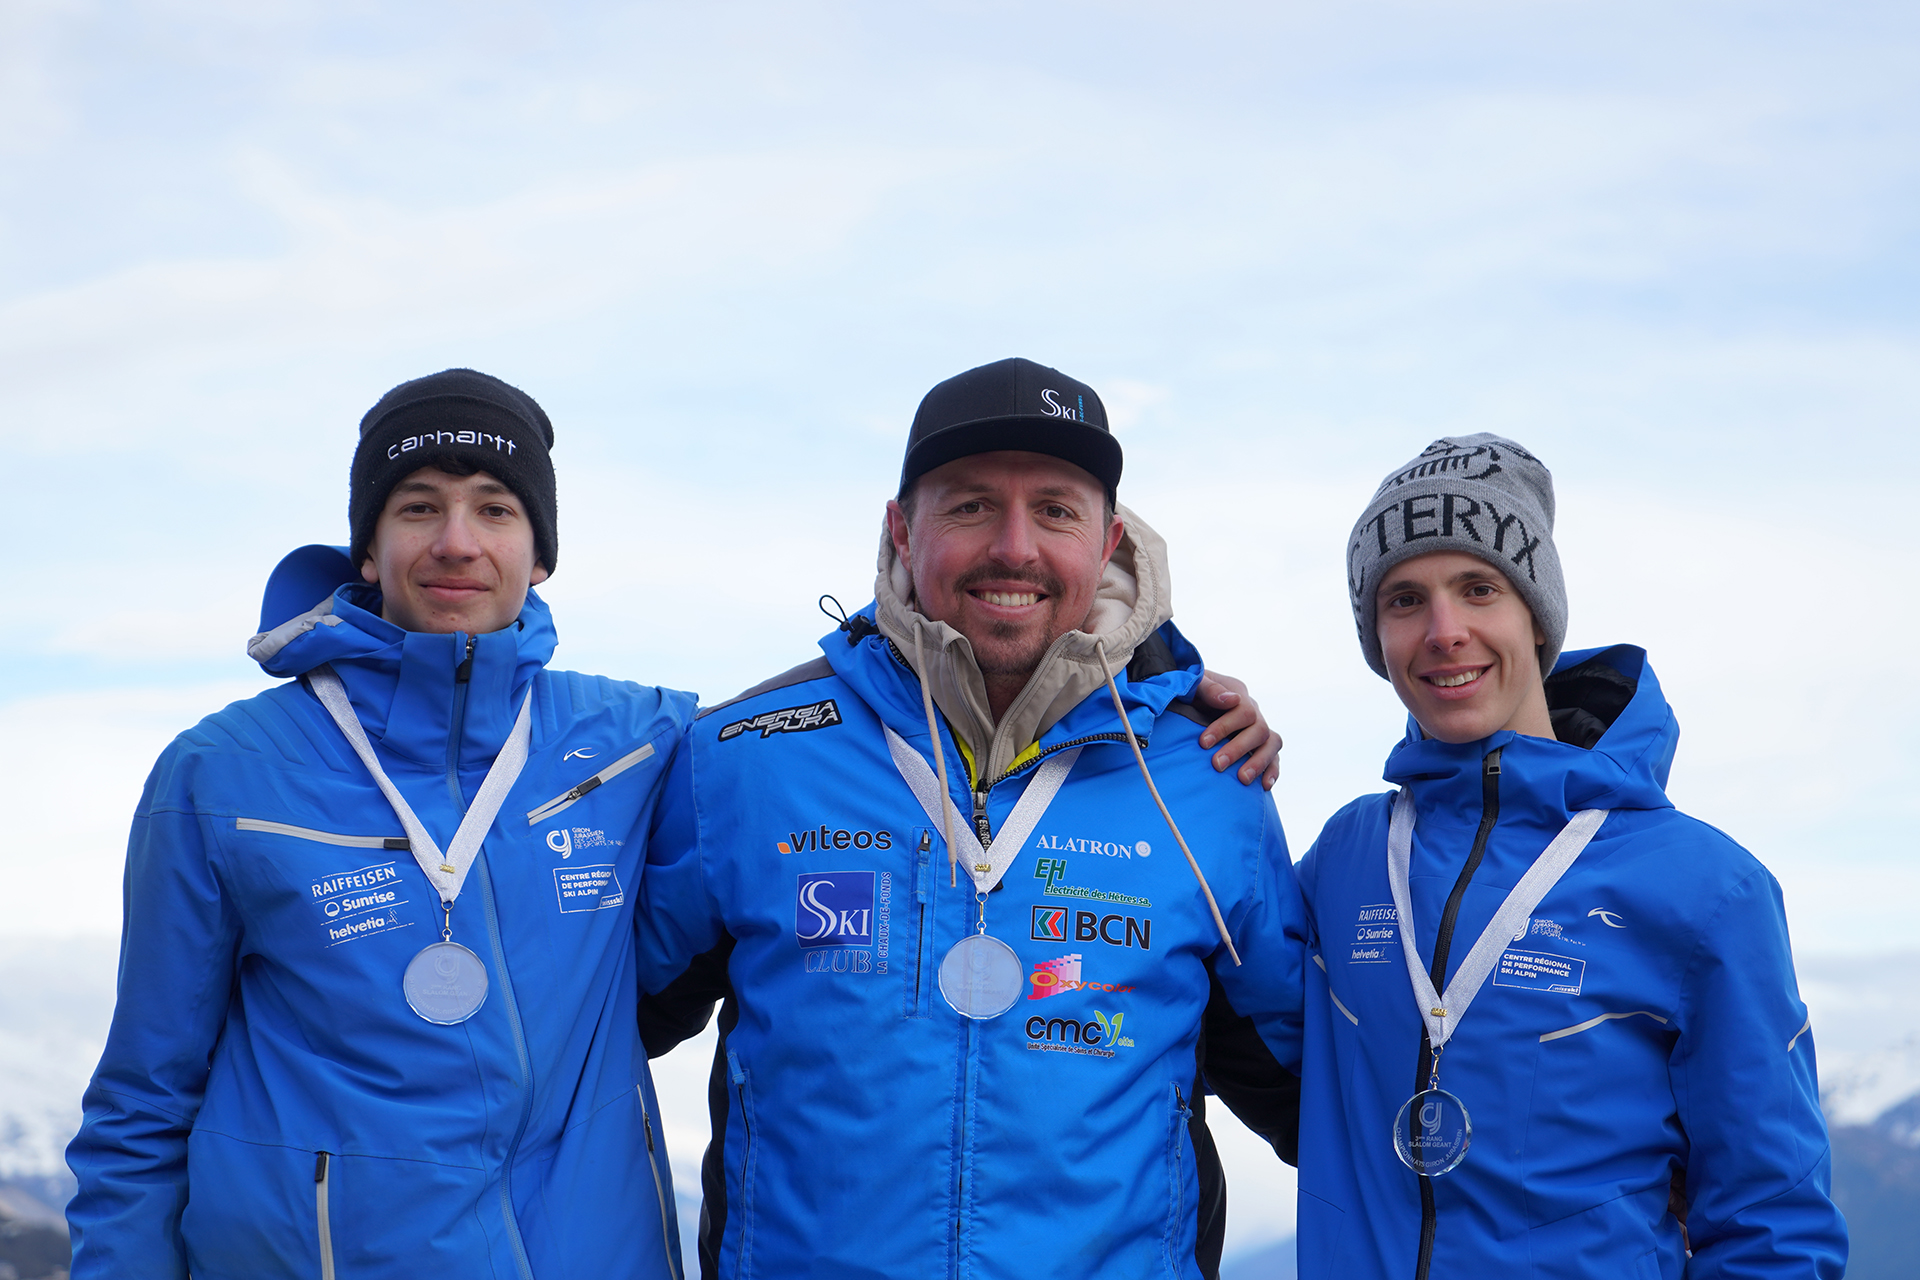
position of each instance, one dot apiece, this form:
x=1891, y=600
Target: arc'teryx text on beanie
x=1012, y=404
x=1481, y=494
x=458, y=415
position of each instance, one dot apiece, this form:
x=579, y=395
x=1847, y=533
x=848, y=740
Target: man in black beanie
x=377, y=999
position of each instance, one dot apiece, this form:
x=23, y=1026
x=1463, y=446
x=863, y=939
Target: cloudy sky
x=1673, y=249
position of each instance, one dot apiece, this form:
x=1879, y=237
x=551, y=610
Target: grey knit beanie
x=1480, y=494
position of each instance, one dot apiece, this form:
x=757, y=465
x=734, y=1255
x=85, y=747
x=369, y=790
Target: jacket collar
x=404, y=684
x=1134, y=599
x=1626, y=769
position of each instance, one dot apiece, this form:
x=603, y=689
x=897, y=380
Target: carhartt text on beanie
x=1480, y=494
x=457, y=415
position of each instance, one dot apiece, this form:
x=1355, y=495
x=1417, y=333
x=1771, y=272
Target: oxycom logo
x=1061, y=975
x=834, y=909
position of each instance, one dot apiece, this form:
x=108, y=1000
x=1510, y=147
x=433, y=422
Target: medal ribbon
x=1442, y=1014
x=449, y=871
x=919, y=777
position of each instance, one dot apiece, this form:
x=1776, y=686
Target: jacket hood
x=405, y=685
x=1134, y=599
x=1626, y=768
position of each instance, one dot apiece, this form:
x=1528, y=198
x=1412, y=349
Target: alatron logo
x=817, y=715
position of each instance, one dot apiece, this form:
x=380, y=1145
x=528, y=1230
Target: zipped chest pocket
x=573, y=795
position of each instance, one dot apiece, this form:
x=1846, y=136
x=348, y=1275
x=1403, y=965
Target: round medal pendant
x=980, y=977
x=445, y=983
x=1432, y=1132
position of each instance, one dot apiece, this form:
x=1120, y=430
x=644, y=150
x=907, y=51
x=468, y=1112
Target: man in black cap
x=970, y=893
x=377, y=1001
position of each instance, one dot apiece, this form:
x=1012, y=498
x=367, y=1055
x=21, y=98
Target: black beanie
x=457, y=415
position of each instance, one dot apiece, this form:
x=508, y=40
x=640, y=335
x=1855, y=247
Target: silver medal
x=1432, y=1132
x=980, y=977
x=445, y=983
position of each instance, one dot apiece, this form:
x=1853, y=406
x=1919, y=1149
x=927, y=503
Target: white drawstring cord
x=939, y=760
x=1141, y=760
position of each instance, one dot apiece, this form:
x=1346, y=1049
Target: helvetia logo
x=816, y=715
x=823, y=837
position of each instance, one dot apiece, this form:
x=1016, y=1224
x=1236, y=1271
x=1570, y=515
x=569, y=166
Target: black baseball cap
x=1012, y=404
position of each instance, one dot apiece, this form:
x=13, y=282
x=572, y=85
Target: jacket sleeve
x=1254, y=1018
x=683, y=942
x=1748, y=1096
x=179, y=943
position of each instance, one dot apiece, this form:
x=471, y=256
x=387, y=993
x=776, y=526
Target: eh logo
x=817, y=715
x=834, y=909
x=1050, y=870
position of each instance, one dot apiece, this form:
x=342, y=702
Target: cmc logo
x=1102, y=1030
x=823, y=837
x=834, y=909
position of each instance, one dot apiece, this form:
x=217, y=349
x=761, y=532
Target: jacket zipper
x=1437, y=971
x=923, y=944
x=321, y=1164
x=323, y=837
x=738, y=1075
x=461, y=675
x=667, y=1228
x=568, y=797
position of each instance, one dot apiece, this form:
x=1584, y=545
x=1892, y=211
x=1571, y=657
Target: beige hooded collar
x=1135, y=597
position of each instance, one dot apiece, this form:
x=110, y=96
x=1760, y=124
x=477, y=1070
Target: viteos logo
x=823, y=837
x=817, y=715
x=1054, y=408
x=834, y=909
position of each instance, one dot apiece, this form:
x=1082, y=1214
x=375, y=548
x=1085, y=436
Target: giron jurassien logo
x=815, y=715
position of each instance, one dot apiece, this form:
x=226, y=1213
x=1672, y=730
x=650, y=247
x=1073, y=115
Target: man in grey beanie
x=1613, y=1073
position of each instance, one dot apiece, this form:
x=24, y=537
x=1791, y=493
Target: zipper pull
x=464, y=672
x=980, y=826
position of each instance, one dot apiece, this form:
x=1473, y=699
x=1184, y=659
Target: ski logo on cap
x=1075, y=412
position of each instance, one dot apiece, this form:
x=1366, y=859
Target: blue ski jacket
x=861, y=1127
x=268, y=1104
x=1639, y=1055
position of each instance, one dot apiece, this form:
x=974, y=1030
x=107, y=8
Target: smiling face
x=1461, y=648
x=452, y=553
x=1007, y=548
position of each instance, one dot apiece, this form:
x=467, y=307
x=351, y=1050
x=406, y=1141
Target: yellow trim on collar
x=966, y=754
